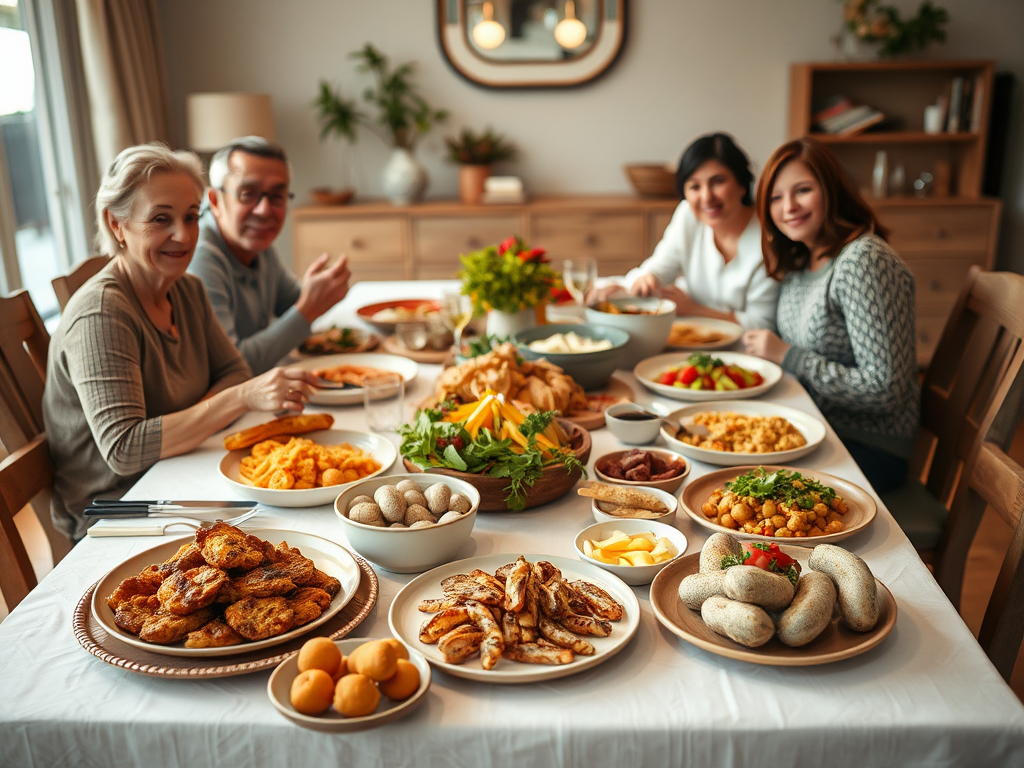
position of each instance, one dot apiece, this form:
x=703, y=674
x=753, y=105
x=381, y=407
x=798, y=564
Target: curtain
x=125, y=73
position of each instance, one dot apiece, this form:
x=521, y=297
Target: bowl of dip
x=589, y=353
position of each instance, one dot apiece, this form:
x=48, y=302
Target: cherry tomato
x=687, y=375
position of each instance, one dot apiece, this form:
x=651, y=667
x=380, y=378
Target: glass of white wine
x=456, y=312
x=579, y=276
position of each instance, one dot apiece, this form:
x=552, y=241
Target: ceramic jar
x=404, y=179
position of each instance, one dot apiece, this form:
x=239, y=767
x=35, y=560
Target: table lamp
x=215, y=119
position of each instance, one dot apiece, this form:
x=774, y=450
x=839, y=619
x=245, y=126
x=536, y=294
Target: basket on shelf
x=652, y=179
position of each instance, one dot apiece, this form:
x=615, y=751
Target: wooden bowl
x=328, y=196
x=553, y=483
x=652, y=180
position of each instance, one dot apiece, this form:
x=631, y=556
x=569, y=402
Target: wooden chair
x=66, y=285
x=961, y=384
x=25, y=475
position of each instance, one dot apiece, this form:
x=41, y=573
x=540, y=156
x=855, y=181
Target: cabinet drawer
x=939, y=229
x=375, y=247
x=658, y=224
x=440, y=241
x=931, y=321
x=600, y=236
x=939, y=280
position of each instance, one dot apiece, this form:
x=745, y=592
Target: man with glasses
x=261, y=305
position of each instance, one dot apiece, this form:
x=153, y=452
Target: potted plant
x=509, y=282
x=475, y=154
x=868, y=21
x=403, y=118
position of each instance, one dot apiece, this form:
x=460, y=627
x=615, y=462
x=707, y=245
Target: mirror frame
x=454, y=43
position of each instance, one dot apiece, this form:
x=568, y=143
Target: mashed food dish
x=739, y=433
x=301, y=464
x=569, y=344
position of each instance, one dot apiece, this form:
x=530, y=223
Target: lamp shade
x=215, y=119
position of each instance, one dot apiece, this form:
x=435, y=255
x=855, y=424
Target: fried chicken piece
x=442, y=623
x=515, y=585
x=460, y=644
x=257, y=618
x=133, y=613
x=224, y=546
x=532, y=653
x=213, y=634
x=187, y=557
x=146, y=583
x=165, y=628
x=185, y=592
x=308, y=603
x=324, y=581
x=564, y=638
x=601, y=603
x=289, y=571
x=493, y=643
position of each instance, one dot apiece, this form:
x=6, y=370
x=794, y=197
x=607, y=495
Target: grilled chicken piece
x=493, y=643
x=323, y=581
x=133, y=613
x=531, y=653
x=441, y=604
x=213, y=634
x=601, y=603
x=554, y=600
x=564, y=638
x=515, y=585
x=225, y=546
x=531, y=607
x=528, y=634
x=460, y=644
x=185, y=592
x=308, y=603
x=257, y=618
x=586, y=625
x=547, y=572
x=443, y=623
x=510, y=632
x=146, y=583
x=487, y=580
x=289, y=571
x=463, y=585
x=502, y=573
x=165, y=628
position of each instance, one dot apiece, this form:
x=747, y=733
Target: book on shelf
x=956, y=98
x=839, y=116
x=978, y=103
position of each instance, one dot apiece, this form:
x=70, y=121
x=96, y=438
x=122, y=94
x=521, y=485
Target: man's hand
x=765, y=344
x=323, y=286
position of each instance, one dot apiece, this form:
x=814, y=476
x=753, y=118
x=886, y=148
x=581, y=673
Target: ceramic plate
x=861, y=505
x=364, y=342
x=812, y=428
x=615, y=393
x=368, y=312
x=405, y=620
x=728, y=333
x=835, y=643
x=354, y=395
x=331, y=558
x=382, y=449
x=648, y=371
x=279, y=691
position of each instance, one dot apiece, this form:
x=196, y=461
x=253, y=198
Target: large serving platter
x=861, y=504
x=812, y=428
x=731, y=332
x=405, y=620
x=648, y=371
x=354, y=395
x=382, y=450
x=331, y=558
x=367, y=313
x=835, y=643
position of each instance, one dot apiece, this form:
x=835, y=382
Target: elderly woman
x=139, y=368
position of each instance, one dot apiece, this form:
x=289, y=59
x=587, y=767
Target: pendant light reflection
x=488, y=33
x=570, y=31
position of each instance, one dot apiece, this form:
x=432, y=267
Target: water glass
x=383, y=396
x=412, y=335
x=579, y=276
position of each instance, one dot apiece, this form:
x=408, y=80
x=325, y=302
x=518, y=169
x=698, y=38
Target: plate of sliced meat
x=349, y=371
x=515, y=618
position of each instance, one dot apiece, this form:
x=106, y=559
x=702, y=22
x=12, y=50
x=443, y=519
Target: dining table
x=926, y=695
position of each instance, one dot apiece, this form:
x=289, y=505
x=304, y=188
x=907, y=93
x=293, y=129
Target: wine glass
x=456, y=312
x=579, y=276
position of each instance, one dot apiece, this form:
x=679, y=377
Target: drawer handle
x=933, y=285
x=355, y=242
x=941, y=234
x=590, y=240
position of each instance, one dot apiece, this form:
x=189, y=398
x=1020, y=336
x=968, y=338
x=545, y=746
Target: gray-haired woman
x=139, y=368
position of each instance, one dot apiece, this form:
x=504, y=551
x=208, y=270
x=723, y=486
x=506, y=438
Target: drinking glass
x=579, y=276
x=412, y=335
x=382, y=397
x=456, y=311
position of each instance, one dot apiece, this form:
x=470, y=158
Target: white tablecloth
x=926, y=696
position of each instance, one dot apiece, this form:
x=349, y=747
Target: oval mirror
x=531, y=43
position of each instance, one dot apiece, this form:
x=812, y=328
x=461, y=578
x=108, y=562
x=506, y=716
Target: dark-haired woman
x=713, y=241
x=846, y=309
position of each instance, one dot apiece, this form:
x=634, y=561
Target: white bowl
x=631, y=432
x=408, y=550
x=403, y=366
x=379, y=447
x=647, y=333
x=648, y=371
x=731, y=332
x=634, y=575
x=667, y=499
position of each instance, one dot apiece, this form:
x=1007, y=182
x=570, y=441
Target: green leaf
x=454, y=460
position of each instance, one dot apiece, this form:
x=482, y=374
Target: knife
x=141, y=510
x=170, y=503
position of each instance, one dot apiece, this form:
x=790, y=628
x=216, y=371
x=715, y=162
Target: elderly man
x=260, y=304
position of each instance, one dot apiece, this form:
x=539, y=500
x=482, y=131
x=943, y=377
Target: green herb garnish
x=704, y=362
x=791, y=488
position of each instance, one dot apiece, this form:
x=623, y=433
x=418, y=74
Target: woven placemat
x=106, y=647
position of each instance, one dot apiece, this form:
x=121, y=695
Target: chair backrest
x=66, y=285
x=991, y=478
x=23, y=349
x=24, y=475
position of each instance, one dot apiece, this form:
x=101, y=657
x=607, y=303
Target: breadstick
x=625, y=497
x=289, y=425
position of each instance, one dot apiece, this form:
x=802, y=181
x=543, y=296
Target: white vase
x=507, y=324
x=404, y=178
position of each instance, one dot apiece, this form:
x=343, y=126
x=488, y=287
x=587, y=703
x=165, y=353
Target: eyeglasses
x=253, y=197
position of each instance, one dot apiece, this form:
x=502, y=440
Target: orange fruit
x=399, y=646
x=376, y=659
x=356, y=696
x=311, y=692
x=403, y=683
x=320, y=653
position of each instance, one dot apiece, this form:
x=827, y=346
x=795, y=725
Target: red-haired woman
x=846, y=308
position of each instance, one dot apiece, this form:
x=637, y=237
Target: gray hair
x=251, y=145
x=132, y=168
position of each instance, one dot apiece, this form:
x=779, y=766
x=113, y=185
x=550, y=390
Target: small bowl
x=634, y=575
x=408, y=550
x=328, y=196
x=591, y=370
x=631, y=431
x=667, y=498
x=280, y=684
x=648, y=334
x=652, y=179
x=669, y=485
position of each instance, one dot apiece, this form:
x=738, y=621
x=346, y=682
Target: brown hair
x=847, y=215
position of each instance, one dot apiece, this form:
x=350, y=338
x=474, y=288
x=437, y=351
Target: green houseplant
x=475, y=154
x=403, y=117
x=872, y=22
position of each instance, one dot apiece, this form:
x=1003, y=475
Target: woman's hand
x=765, y=344
x=602, y=293
x=685, y=305
x=278, y=389
x=645, y=285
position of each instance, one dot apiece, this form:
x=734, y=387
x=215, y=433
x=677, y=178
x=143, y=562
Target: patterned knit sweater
x=851, y=324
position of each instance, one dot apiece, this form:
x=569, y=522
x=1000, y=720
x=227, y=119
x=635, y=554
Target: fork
x=159, y=529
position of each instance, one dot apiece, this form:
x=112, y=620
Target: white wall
x=689, y=67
